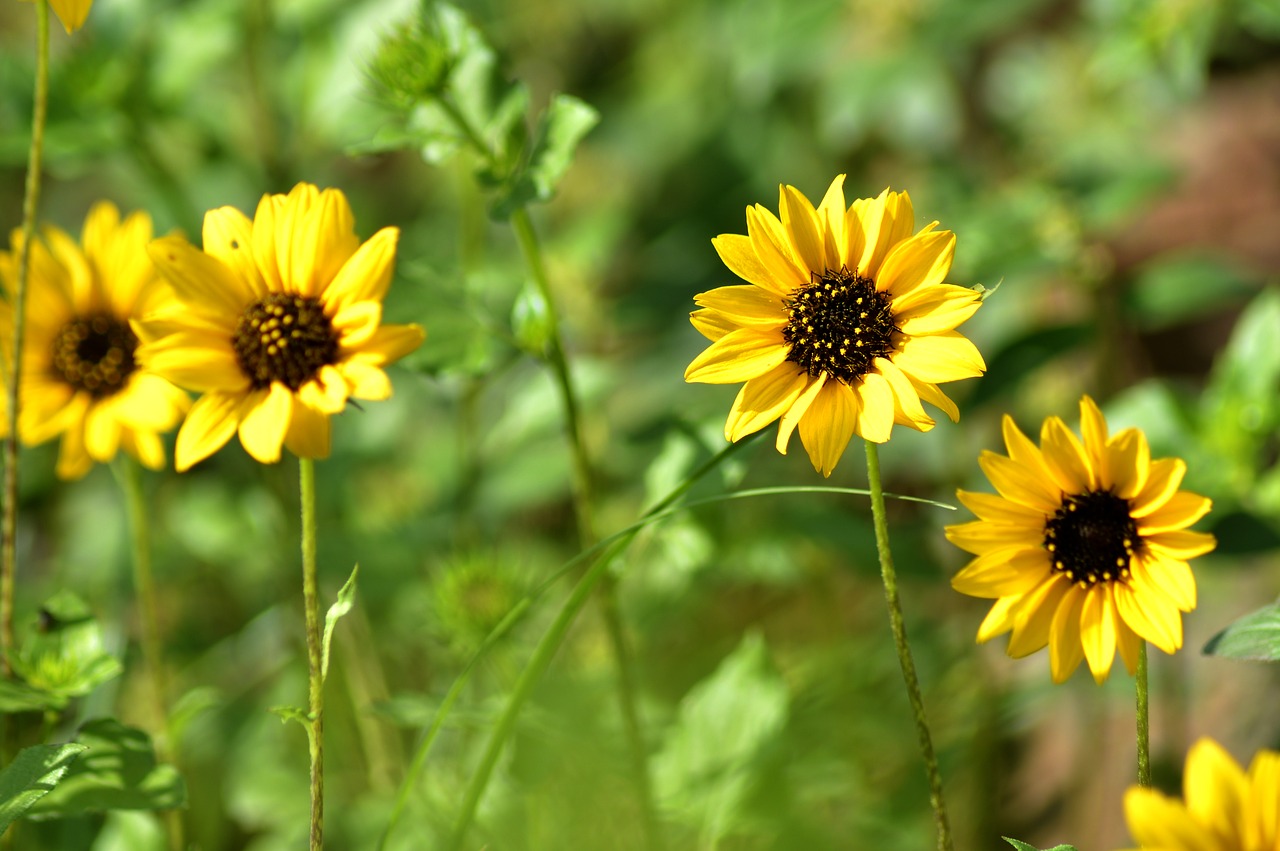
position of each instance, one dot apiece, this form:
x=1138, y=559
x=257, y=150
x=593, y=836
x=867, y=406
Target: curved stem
x=315, y=677
x=30, y=204
x=1143, y=718
x=904, y=649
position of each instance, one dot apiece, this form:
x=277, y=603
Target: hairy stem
x=1143, y=718
x=315, y=679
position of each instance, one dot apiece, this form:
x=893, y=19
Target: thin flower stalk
x=905, y=660
x=315, y=675
x=30, y=205
x=1142, y=715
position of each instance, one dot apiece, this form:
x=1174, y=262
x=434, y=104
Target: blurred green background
x=1113, y=164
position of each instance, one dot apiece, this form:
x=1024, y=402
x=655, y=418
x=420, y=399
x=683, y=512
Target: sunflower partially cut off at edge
x=1224, y=809
x=1085, y=546
x=844, y=326
x=81, y=378
x=280, y=323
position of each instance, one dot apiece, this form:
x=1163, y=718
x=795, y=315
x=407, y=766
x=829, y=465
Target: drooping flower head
x=1224, y=809
x=280, y=323
x=81, y=377
x=844, y=326
x=1085, y=546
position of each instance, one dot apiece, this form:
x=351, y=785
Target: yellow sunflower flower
x=1085, y=547
x=1225, y=809
x=279, y=324
x=845, y=325
x=81, y=378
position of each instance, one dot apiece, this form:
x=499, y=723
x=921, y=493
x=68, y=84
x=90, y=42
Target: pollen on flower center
x=94, y=353
x=284, y=337
x=839, y=324
x=1092, y=537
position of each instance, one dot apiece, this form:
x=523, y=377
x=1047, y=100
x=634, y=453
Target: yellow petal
x=199, y=362
x=356, y=324
x=264, y=420
x=948, y=356
x=875, y=408
x=801, y=222
x=322, y=241
x=763, y=399
x=1128, y=642
x=150, y=403
x=932, y=310
x=1065, y=648
x=1128, y=461
x=897, y=225
x=309, y=432
x=1093, y=427
x=831, y=225
x=907, y=409
x=931, y=394
x=228, y=235
x=1216, y=791
x=1172, y=576
x=366, y=276
x=73, y=460
x=271, y=209
x=983, y=536
x=1020, y=484
x=828, y=425
x=1150, y=616
x=712, y=324
x=1098, y=630
x=916, y=265
x=198, y=277
x=1157, y=821
x=71, y=13
x=745, y=305
x=739, y=356
x=392, y=342
x=208, y=426
x=101, y=432
x=798, y=408
x=1065, y=457
x=1033, y=620
x=1180, y=511
x=739, y=254
x=326, y=392
x=1163, y=479
x=366, y=381
x=144, y=446
x=773, y=250
x=1006, y=572
x=1180, y=543
x=999, y=620
x=990, y=506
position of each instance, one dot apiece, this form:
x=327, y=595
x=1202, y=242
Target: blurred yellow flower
x=1085, y=547
x=845, y=325
x=72, y=13
x=1224, y=808
x=279, y=324
x=80, y=373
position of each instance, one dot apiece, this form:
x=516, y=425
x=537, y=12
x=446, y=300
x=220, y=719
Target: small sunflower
x=81, y=378
x=1085, y=547
x=279, y=324
x=845, y=325
x=1224, y=808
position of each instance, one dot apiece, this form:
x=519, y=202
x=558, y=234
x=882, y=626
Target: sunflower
x=1225, y=809
x=845, y=325
x=81, y=378
x=279, y=324
x=1085, y=547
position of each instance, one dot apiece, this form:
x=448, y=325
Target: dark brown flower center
x=1092, y=537
x=839, y=324
x=94, y=353
x=286, y=338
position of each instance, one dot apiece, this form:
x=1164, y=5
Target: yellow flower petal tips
x=81, y=375
x=1085, y=546
x=72, y=13
x=279, y=325
x=844, y=326
x=1224, y=809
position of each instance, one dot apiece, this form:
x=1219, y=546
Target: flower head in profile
x=844, y=325
x=1224, y=809
x=1084, y=547
x=280, y=323
x=81, y=378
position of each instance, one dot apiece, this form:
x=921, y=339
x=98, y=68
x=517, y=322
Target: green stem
x=541, y=658
x=904, y=649
x=130, y=476
x=30, y=203
x=1144, y=718
x=315, y=678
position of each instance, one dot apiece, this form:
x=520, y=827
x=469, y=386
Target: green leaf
x=62, y=651
x=346, y=599
x=17, y=696
x=704, y=770
x=117, y=772
x=1255, y=636
x=560, y=128
x=33, y=774
x=1022, y=846
x=1239, y=407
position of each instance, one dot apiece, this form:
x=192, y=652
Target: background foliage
x=1111, y=163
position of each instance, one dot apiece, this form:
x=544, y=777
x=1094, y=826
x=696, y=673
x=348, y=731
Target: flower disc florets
x=1092, y=538
x=838, y=324
x=94, y=353
x=284, y=337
